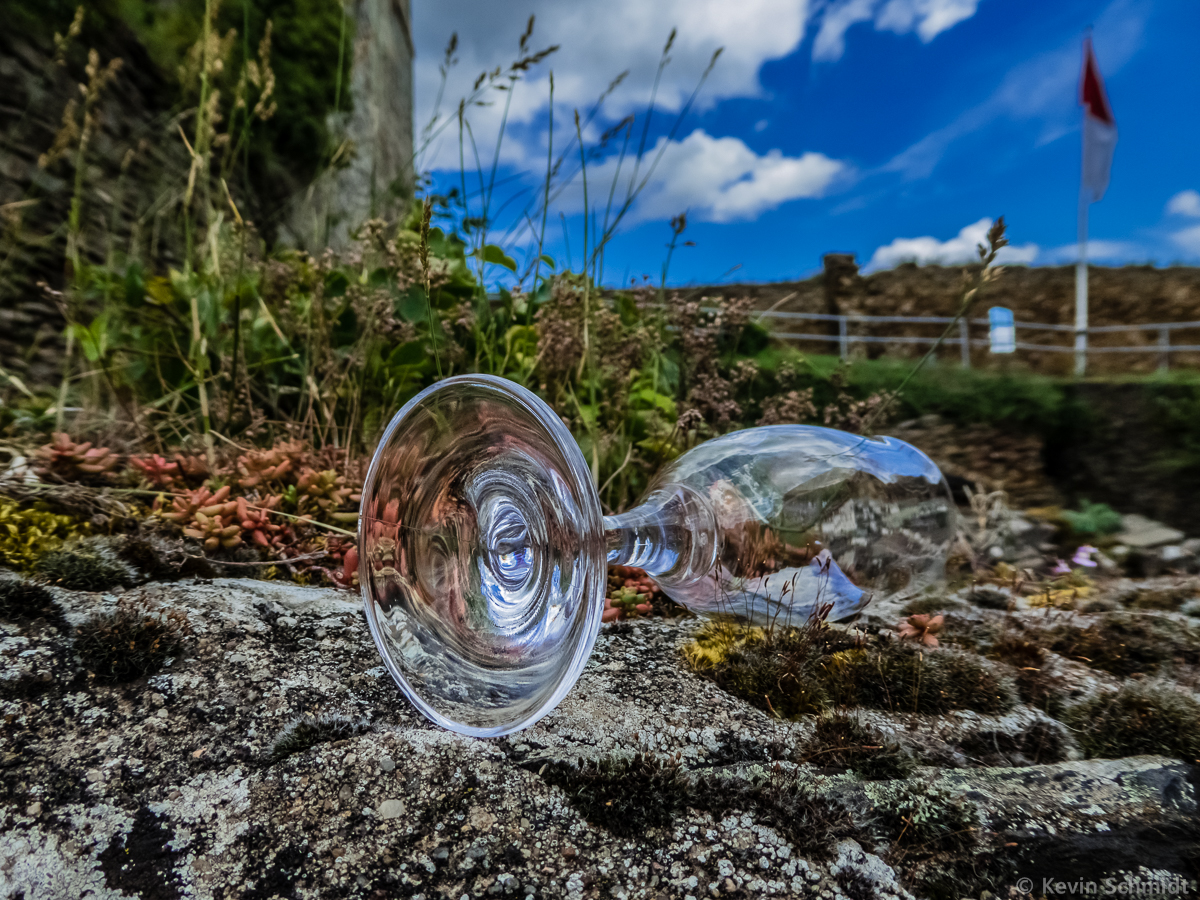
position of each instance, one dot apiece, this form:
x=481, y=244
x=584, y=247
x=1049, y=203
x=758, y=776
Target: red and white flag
x=1099, y=127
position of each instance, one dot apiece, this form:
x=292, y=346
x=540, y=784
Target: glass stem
x=673, y=536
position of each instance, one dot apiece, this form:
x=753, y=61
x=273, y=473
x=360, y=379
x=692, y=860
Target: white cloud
x=715, y=180
x=1097, y=251
x=1185, y=203
x=928, y=18
x=1188, y=239
x=599, y=39
x=830, y=42
x=958, y=249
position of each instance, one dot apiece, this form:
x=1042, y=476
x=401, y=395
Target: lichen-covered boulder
x=274, y=757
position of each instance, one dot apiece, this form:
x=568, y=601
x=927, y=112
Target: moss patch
x=1138, y=719
x=800, y=671
x=133, y=640
x=924, y=819
x=625, y=796
x=926, y=605
x=23, y=601
x=27, y=532
x=306, y=732
x=85, y=566
x=843, y=742
x=1169, y=599
x=1127, y=644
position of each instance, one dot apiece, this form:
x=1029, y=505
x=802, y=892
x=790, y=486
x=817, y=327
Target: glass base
x=482, y=556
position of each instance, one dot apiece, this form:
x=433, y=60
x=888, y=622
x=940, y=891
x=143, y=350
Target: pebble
x=390, y=809
x=387, y=764
x=287, y=622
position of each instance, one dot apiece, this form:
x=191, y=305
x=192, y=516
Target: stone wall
x=129, y=162
x=375, y=176
x=137, y=165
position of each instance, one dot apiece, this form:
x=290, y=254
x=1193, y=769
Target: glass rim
x=580, y=482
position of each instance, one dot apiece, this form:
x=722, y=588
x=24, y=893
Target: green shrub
x=1140, y=718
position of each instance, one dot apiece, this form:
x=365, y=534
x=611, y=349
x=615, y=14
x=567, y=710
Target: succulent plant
x=256, y=523
x=277, y=464
x=922, y=628
x=184, y=508
x=157, y=470
x=323, y=494
x=67, y=460
x=630, y=593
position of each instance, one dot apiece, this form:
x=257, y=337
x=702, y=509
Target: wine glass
x=483, y=549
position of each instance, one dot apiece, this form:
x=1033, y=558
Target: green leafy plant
x=1093, y=518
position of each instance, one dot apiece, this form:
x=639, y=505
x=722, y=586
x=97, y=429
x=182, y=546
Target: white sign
x=1002, y=331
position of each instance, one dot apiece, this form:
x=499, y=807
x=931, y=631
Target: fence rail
x=1163, y=347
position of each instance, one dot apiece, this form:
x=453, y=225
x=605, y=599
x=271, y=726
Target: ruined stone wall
x=1117, y=296
x=373, y=175
x=130, y=162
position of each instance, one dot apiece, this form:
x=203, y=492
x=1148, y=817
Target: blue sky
x=893, y=129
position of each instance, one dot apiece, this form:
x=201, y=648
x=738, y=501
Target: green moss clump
x=23, y=601
x=151, y=556
x=783, y=800
x=845, y=743
x=775, y=671
x=924, y=819
x=133, y=640
x=902, y=678
x=801, y=671
x=1140, y=718
x=306, y=732
x=624, y=795
x=1127, y=644
x=1167, y=600
x=26, y=532
x=85, y=566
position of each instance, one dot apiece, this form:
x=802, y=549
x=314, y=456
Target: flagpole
x=1081, y=289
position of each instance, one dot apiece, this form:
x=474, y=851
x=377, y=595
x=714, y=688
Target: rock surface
x=167, y=787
